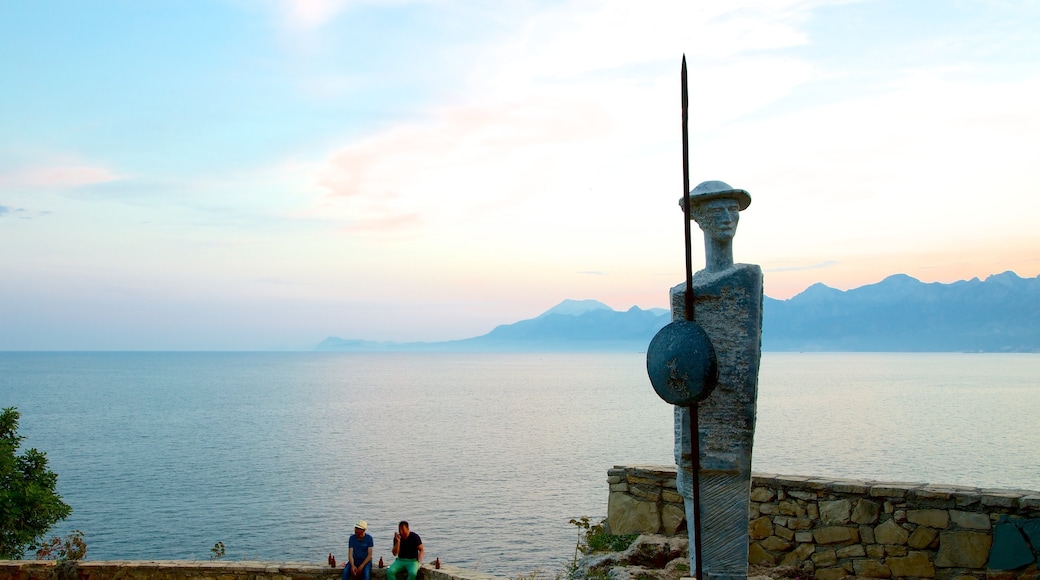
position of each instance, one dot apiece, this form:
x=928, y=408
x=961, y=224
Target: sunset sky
x=262, y=174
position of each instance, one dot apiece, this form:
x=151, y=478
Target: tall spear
x=680, y=359
x=692, y=409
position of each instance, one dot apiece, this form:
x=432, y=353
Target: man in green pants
x=408, y=548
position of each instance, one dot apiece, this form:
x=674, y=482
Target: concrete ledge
x=206, y=570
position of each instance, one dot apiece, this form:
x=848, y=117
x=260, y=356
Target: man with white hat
x=359, y=553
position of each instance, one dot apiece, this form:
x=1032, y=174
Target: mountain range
x=897, y=314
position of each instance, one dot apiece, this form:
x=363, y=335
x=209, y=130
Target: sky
x=262, y=174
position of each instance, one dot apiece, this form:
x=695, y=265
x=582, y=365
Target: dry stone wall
x=838, y=527
x=212, y=570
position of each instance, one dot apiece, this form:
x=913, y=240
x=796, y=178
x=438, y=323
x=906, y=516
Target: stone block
x=671, y=496
x=762, y=494
x=672, y=518
x=965, y=499
x=835, y=535
x=899, y=516
x=813, y=510
x=824, y=558
x=790, y=508
x=866, y=534
x=1029, y=502
x=783, y=533
x=800, y=524
x=890, y=533
x=628, y=515
x=876, y=551
x=798, y=555
x=895, y=490
x=922, y=537
x=780, y=520
x=788, y=559
x=758, y=556
x=760, y=528
x=612, y=479
x=896, y=550
x=835, y=512
x=914, y=564
x=933, y=493
x=802, y=495
x=932, y=518
x=636, y=480
x=998, y=499
x=649, y=493
x=970, y=520
x=621, y=487
x=963, y=549
x=776, y=544
x=853, y=551
x=803, y=537
x=871, y=569
x=1010, y=549
x=853, y=486
x=768, y=509
x=803, y=551
x=831, y=573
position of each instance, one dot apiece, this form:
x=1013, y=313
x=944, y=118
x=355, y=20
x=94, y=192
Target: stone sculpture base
x=728, y=305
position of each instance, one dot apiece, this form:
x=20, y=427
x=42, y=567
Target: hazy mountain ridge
x=899, y=313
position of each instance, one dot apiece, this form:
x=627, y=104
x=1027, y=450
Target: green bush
x=29, y=506
x=594, y=538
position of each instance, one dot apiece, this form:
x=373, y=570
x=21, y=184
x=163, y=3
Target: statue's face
x=718, y=218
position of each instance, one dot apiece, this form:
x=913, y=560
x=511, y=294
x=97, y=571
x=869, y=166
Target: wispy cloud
x=310, y=14
x=57, y=176
x=799, y=268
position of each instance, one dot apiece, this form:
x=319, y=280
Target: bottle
x=381, y=562
x=332, y=561
x=437, y=564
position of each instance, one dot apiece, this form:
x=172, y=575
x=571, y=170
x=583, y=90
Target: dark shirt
x=410, y=547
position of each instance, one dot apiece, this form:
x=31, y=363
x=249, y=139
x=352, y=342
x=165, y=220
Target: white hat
x=361, y=524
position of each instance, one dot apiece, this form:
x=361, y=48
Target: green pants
x=403, y=563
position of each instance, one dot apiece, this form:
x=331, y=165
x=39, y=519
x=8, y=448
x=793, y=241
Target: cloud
x=310, y=14
x=547, y=105
x=3, y=210
x=799, y=268
x=60, y=175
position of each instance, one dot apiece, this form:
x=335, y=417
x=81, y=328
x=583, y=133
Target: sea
x=488, y=456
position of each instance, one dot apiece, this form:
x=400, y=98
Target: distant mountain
x=900, y=313
x=572, y=325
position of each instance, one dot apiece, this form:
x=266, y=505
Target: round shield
x=681, y=363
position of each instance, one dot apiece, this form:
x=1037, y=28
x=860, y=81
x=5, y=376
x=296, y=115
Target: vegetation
x=70, y=548
x=217, y=551
x=593, y=538
x=29, y=506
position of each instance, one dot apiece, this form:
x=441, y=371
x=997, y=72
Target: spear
x=692, y=409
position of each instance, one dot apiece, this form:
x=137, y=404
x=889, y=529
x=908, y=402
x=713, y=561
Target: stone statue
x=728, y=305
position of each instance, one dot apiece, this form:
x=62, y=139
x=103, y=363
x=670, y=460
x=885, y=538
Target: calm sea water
x=488, y=455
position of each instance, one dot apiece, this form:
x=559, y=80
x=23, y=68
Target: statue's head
x=716, y=207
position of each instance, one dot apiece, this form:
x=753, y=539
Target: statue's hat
x=709, y=190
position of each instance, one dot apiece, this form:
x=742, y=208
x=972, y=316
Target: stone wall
x=209, y=570
x=872, y=529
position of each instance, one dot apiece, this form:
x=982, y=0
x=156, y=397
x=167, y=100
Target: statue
x=728, y=306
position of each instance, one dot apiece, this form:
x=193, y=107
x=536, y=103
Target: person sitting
x=408, y=548
x=359, y=554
